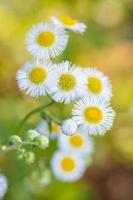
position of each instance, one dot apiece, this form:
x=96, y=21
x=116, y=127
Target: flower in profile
x=69, y=23
x=68, y=83
x=67, y=167
x=3, y=185
x=93, y=115
x=69, y=127
x=46, y=40
x=34, y=78
x=97, y=84
x=44, y=129
x=77, y=143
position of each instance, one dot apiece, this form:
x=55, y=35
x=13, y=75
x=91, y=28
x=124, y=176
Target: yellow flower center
x=68, y=21
x=94, y=85
x=55, y=128
x=38, y=75
x=67, y=82
x=46, y=38
x=76, y=141
x=93, y=114
x=68, y=164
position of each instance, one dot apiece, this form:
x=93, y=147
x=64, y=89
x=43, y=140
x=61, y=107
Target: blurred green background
x=107, y=44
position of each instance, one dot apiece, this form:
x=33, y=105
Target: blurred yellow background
x=108, y=45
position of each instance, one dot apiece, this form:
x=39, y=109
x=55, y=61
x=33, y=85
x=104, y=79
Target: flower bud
x=41, y=141
x=3, y=147
x=15, y=140
x=32, y=134
x=69, y=127
x=29, y=157
x=21, y=153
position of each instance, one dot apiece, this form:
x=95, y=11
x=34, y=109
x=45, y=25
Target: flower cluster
x=88, y=88
x=73, y=156
x=33, y=139
x=65, y=82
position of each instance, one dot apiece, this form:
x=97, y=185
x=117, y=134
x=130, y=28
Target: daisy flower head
x=67, y=167
x=93, y=115
x=44, y=129
x=3, y=185
x=69, y=127
x=97, y=84
x=78, y=143
x=68, y=83
x=34, y=77
x=69, y=23
x=45, y=40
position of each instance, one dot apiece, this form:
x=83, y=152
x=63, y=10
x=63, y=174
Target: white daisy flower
x=69, y=23
x=3, y=185
x=34, y=78
x=67, y=167
x=93, y=115
x=97, y=84
x=46, y=41
x=44, y=129
x=77, y=143
x=69, y=127
x=68, y=83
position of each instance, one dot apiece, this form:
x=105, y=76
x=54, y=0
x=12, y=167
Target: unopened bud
x=69, y=127
x=15, y=140
x=21, y=153
x=3, y=147
x=29, y=157
x=41, y=141
x=32, y=134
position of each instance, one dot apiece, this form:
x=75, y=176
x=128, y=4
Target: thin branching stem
x=51, y=118
x=34, y=111
x=14, y=146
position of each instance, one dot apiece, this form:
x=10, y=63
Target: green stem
x=50, y=118
x=36, y=110
x=10, y=148
x=13, y=147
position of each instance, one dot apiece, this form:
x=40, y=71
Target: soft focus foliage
x=107, y=44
